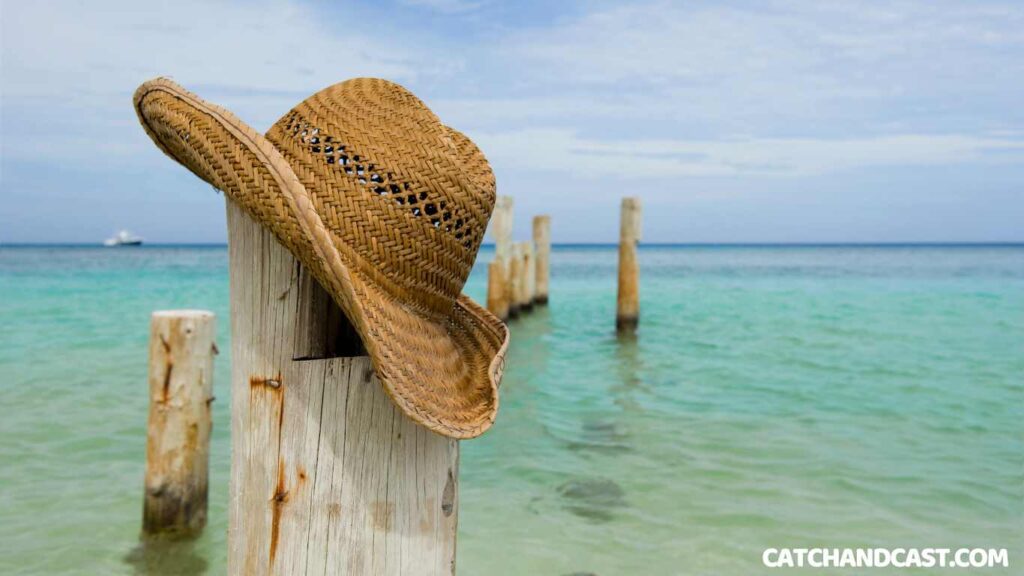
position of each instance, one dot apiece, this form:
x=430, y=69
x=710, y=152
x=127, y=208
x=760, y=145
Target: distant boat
x=123, y=238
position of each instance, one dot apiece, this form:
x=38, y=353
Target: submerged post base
x=626, y=324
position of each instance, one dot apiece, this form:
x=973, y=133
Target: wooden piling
x=513, y=282
x=499, y=281
x=520, y=287
x=497, y=299
x=530, y=276
x=502, y=232
x=628, y=314
x=181, y=350
x=501, y=226
x=327, y=476
x=542, y=242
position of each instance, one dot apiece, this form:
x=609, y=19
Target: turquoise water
x=775, y=396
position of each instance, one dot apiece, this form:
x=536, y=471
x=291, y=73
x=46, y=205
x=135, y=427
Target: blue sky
x=734, y=121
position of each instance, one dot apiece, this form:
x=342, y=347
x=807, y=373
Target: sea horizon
x=815, y=244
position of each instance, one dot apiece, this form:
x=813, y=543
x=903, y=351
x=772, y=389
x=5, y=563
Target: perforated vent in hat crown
x=403, y=195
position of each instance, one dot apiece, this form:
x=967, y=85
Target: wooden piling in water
x=628, y=310
x=522, y=281
x=542, y=242
x=327, y=476
x=181, y=351
x=514, y=282
x=497, y=299
x=499, y=273
x=501, y=229
x=530, y=265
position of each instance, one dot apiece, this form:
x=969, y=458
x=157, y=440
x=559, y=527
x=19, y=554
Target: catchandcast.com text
x=885, y=558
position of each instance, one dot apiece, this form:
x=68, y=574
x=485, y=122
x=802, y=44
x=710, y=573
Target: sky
x=734, y=121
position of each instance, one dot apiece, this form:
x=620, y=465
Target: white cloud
x=661, y=42
x=272, y=46
x=562, y=151
x=69, y=69
x=804, y=68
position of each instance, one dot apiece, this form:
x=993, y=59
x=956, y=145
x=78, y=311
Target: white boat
x=123, y=238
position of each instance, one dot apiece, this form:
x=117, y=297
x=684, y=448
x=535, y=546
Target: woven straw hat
x=386, y=206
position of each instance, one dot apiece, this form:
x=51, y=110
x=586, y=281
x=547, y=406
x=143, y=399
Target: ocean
x=775, y=396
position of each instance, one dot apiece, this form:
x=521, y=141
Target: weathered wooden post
x=514, y=282
x=501, y=226
x=628, y=313
x=520, y=283
x=181, y=350
x=499, y=277
x=542, y=241
x=497, y=300
x=499, y=280
x=530, y=266
x=327, y=475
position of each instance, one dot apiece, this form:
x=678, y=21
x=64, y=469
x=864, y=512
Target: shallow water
x=775, y=396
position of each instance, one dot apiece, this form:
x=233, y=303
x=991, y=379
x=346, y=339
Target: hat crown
x=406, y=198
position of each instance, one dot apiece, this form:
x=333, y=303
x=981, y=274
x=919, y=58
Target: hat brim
x=410, y=349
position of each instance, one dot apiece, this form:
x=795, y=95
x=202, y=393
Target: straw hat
x=386, y=206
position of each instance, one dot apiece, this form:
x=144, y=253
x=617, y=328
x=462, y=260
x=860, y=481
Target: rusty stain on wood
x=280, y=420
x=382, y=512
x=334, y=510
x=280, y=491
x=277, y=502
x=168, y=369
x=192, y=437
x=272, y=383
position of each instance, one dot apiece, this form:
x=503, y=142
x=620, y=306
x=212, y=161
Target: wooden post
x=542, y=240
x=628, y=313
x=513, y=282
x=327, y=476
x=502, y=232
x=497, y=300
x=499, y=285
x=181, y=350
x=501, y=229
x=530, y=275
x=520, y=287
